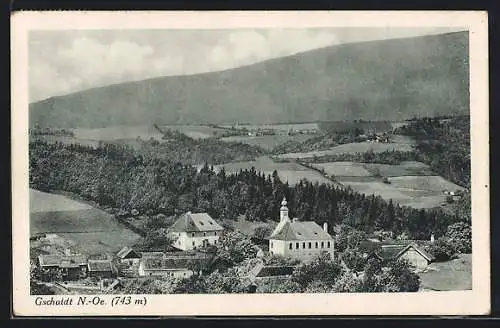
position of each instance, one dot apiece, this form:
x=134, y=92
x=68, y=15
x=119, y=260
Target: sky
x=62, y=62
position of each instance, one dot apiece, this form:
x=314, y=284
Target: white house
x=195, y=230
x=167, y=267
x=303, y=240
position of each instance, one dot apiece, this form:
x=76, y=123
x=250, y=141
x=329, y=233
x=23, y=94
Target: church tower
x=283, y=211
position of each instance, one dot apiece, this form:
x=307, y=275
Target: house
x=195, y=231
x=263, y=272
x=303, y=240
x=415, y=255
x=100, y=268
x=128, y=256
x=72, y=266
x=167, y=267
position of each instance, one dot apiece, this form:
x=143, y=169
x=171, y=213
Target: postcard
x=250, y=163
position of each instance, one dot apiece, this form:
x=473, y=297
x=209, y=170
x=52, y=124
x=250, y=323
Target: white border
x=472, y=302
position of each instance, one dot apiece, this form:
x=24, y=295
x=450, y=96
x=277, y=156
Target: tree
x=460, y=236
x=226, y=282
x=320, y=269
x=442, y=249
x=234, y=247
x=353, y=259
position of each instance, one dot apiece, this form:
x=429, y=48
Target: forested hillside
x=378, y=80
x=121, y=178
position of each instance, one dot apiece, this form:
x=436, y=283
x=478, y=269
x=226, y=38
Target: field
x=195, y=131
x=118, y=132
x=66, y=140
x=278, y=127
x=451, y=275
x=89, y=228
x=267, y=142
x=411, y=183
x=354, y=147
x=290, y=172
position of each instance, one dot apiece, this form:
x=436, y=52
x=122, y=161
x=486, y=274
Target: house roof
x=152, y=254
x=62, y=261
x=262, y=271
x=192, y=222
x=391, y=252
x=166, y=264
x=127, y=252
x=100, y=265
x=298, y=230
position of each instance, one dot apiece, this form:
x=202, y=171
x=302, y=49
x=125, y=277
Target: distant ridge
x=376, y=80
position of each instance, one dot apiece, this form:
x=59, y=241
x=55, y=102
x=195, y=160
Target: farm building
x=195, y=230
x=169, y=267
x=416, y=256
x=73, y=266
x=100, y=268
x=127, y=255
x=303, y=240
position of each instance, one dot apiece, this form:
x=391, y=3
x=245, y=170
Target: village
x=195, y=237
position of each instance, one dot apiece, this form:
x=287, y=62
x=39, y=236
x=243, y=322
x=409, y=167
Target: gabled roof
x=297, y=230
x=166, y=264
x=127, y=252
x=419, y=250
x=62, y=261
x=193, y=222
x=100, y=265
x=263, y=271
x=392, y=252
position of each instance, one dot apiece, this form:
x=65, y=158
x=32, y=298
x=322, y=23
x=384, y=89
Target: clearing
x=91, y=229
x=450, y=275
x=291, y=172
x=354, y=147
x=113, y=133
x=267, y=142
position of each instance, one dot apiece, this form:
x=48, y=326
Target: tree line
x=122, y=178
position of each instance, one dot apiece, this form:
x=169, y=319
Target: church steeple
x=283, y=210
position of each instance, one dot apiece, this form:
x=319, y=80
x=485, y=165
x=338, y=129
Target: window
x=215, y=242
x=193, y=242
x=304, y=245
x=322, y=244
x=215, y=233
x=328, y=245
x=204, y=234
x=192, y=234
x=290, y=246
x=309, y=245
x=271, y=244
x=297, y=245
x=316, y=245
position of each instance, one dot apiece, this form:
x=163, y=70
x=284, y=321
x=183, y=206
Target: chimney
x=432, y=237
x=325, y=227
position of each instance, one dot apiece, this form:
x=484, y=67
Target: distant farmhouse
x=303, y=240
x=195, y=230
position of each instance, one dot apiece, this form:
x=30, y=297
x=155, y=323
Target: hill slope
x=389, y=79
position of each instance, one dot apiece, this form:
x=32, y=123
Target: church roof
x=191, y=222
x=299, y=230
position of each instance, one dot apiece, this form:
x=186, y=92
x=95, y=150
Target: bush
x=460, y=236
x=442, y=249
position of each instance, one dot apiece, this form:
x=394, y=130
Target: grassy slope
x=381, y=80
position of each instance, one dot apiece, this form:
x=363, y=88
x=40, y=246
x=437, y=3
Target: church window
x=297, y=245
x=290, y=246
x=316, y=245
x=304, y=245
x=322, y=244
x=309, y=245
x=328, y=244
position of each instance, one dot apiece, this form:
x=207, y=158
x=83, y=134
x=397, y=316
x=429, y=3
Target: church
x=303, y=240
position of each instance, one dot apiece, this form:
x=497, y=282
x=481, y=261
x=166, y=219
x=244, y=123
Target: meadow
x=91, y=229
x=291, y=172
x=285, y=127
x=451, y=275
x=267, y=142
x=195, y=131
x=354, y=147
x=113, y=133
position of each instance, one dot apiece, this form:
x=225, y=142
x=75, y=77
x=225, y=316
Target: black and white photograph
x=251, y=160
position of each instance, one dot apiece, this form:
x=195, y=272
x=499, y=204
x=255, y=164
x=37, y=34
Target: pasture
x=450, y=275
x=88, y=227
x=267, y=142
x=113, y=133
x=403, y=169
x=354, y=147
x=285, y=127
x=291, y=172
x=195, y=131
